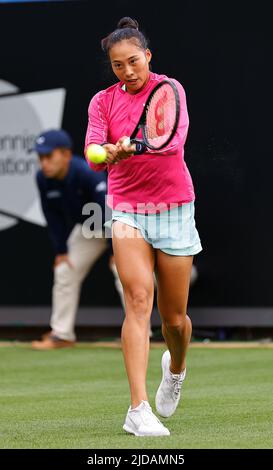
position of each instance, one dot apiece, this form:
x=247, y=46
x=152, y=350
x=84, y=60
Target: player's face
x=130, y=64
x=56, y=163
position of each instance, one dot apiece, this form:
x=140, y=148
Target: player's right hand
x=125, y=150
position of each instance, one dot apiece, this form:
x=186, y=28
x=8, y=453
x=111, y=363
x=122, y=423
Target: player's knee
x=175, y=322
x=138, y=300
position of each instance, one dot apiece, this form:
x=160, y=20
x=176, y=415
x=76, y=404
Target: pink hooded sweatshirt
x=158, y=179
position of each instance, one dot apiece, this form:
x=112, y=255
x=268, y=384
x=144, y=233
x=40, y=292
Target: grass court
x=78, y=398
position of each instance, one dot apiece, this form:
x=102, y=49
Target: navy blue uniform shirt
x=63, y=200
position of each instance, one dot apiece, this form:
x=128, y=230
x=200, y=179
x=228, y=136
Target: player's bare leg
x=135, y=264
x=173, y=276
x=134, y=259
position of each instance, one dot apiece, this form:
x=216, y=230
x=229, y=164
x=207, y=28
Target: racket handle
x=127, y=142
x=140, y=146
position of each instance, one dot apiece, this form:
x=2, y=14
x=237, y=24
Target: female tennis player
x=153, y=227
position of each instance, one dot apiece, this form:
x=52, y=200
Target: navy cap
x=52, y=139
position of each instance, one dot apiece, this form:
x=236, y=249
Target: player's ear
x=148, y=55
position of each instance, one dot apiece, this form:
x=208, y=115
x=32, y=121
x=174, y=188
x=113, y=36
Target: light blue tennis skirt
x=172, y=231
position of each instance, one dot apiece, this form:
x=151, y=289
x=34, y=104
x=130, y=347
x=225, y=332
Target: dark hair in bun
x=127, y=28
x=127, y=22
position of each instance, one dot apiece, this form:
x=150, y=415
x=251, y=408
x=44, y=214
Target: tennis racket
x=160, y=117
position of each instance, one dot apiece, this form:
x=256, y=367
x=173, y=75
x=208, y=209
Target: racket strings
x=161, y=116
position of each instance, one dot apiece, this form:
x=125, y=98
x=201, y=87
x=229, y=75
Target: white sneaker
x=168, y=393
x=141, y=421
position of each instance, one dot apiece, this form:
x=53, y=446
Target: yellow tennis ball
x=96, y=153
